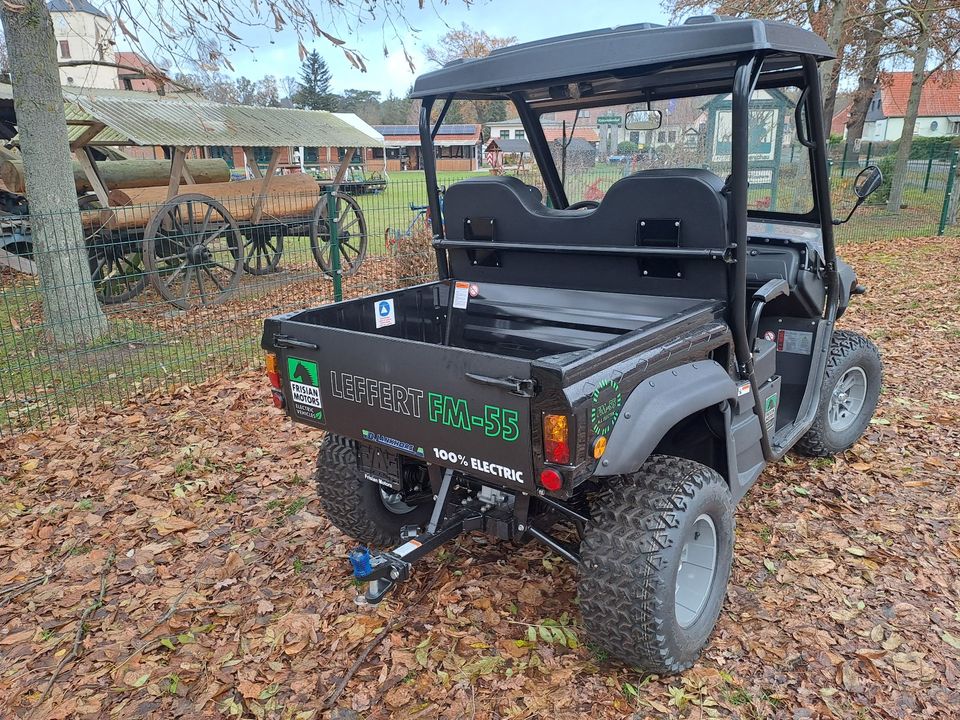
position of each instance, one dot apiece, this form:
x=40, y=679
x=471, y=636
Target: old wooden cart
x=190, y=239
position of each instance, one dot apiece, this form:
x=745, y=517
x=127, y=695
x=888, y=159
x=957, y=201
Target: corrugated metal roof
x=132, y=118
x=160, y=121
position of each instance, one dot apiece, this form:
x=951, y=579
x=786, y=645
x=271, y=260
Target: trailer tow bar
x=382, y=570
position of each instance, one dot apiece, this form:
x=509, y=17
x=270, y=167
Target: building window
x=311, y=154
x=672, y=136
x=934, y=125
x=262, y=154
x=584, y=113
x=64, y=49
x=956, y=128
x=504, y=134
x=635, y=137
x=661, y=136
x=520, y=135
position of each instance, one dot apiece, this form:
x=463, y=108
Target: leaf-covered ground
x=170, y=560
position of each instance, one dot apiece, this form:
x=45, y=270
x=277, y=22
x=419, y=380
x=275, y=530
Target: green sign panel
x=609, y=120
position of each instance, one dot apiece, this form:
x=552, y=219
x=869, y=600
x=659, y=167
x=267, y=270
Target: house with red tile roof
x=553, y=130
x=838, y=124
x=939, y=113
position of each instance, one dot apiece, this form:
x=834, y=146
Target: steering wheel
x=584, y=204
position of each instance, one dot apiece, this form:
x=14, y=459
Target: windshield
x=593, y=148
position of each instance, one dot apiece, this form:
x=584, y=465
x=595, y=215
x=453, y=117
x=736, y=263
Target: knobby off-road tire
x=853, y=369
x=356, y=505
x=632, y=554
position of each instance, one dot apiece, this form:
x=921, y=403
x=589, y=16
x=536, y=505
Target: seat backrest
x=684, y=208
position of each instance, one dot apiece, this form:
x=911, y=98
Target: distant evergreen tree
x=314, y=92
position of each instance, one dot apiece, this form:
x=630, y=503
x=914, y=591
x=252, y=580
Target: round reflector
x=551, y=480
x=599, y=445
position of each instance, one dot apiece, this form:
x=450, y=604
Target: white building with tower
x=84, y=32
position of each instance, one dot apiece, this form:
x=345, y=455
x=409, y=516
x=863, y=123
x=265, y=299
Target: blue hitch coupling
x=360, y=559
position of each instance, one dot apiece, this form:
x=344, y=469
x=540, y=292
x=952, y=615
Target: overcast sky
x=524, y=19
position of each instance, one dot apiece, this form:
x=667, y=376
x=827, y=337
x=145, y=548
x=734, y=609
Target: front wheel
x=851, y=388
x=366, y=511
x=656, y=561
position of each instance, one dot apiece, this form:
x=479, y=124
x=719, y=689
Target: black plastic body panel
x=430, y=387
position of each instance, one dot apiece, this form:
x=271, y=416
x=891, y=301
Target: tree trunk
x=913, y=107
x=73, y=315
x=830, y=70
x=869, y=72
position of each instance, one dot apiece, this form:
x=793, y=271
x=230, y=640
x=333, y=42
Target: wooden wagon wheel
x=263, y=246
x=351, y=234
x=193, y=251
x=116, y=263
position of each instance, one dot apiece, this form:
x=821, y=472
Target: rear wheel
x=656, y=561
x=369, y=513
x=851, y=388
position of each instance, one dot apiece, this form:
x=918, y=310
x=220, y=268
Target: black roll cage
x=746, y=79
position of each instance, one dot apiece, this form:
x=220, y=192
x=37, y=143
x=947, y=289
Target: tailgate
x=448, y=406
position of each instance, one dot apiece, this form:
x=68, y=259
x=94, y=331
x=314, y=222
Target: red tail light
x=556, y=439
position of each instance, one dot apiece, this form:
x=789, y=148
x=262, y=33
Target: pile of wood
x=123, y=173
x=286, y=196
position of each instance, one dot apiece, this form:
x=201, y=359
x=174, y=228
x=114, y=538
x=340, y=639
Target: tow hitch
x=381, y=570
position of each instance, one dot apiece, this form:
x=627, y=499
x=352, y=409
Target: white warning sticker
x=384, y=312
x=461, y=295
x=407, y=548
x=794, y=341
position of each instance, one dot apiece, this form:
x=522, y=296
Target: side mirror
x=868, y=182
x=643, y=120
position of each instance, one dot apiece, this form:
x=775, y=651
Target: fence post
x=948, y=192
x=869, y=153
x=926, y=179
x=332, y=225
x=843, y=160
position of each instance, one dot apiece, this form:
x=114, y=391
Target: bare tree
x=831, y=19
x=193, y=35
x=929, y=29
x=70, y=306
x=466, y=43
x=870, y=41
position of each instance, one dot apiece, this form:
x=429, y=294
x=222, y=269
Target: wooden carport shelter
x=110, y=118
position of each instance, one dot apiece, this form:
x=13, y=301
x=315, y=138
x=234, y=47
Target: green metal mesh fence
x=184, y=288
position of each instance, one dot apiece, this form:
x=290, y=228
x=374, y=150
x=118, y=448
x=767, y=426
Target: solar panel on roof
x=457, y=129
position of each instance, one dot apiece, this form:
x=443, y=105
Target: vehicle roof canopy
x=644, y=60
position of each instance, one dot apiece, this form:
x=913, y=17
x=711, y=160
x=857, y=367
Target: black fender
x=656, y=405
x=848, y=281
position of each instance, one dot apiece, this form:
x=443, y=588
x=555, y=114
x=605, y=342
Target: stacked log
x=123, y=173
x=287, y=197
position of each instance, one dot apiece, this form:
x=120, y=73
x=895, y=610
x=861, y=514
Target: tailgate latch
x=524, y=387
x=285, y=341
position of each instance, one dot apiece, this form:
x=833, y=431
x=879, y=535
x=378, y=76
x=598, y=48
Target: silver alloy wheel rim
x=697, y=571
x=394, y=502
x=847, y=399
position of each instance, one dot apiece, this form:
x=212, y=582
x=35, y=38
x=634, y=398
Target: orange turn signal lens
x=272, y=370
x=556, y=439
